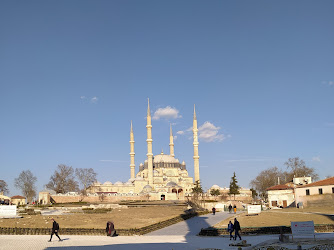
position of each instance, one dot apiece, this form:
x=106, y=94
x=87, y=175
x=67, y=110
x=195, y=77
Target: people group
x=110, y=229
x=234, y=228
x=234, y=208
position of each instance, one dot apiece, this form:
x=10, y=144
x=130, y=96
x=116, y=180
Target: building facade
x=319, y=193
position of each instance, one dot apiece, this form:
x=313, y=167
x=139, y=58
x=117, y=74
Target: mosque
x=161, y=177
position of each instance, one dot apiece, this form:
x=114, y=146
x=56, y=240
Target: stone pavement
x=194, y=225
x=176, y=237
x=71, y=242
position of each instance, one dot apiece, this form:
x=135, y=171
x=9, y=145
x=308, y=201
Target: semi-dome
x=147, y=188
x=215, y=187
x=171, y=184
x=107, y=183
x=118, y=183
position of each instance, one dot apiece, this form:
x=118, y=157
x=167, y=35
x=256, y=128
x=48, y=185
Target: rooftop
x=325, y=182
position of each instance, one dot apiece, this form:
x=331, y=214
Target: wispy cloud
x=248, y=160
x=112, y=161
x=94, y=99
x=316, y=158
x=329, y=124
x=180, y=132
x=329, y=83
x=175, y=137
x=208, y=132
x=166, y=113
x=86, y=99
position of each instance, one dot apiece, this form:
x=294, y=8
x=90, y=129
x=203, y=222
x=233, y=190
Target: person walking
x=235, y=209
x=236, y=229
x=213, y=210
x=230, y=208
x=55, y=229
x=230, y=229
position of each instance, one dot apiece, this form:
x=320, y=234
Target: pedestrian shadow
x=137, y=246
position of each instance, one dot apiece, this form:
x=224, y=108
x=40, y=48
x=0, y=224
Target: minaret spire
x=171, y=142
x=132, y=153
x=195, y=143
x=149, y=145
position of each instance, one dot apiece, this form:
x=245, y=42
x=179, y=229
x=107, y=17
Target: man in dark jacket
x=236, y=229
x=55, y=229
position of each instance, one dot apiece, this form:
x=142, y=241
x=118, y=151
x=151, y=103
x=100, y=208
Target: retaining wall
x=212, y=231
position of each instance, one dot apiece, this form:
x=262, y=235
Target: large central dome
x=165, y=158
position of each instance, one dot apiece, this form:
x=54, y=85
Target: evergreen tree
x=234, y=188
x=215, y=192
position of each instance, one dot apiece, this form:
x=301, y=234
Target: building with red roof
x=316, y=193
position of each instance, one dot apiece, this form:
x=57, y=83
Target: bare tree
x=3, y=187
x=63, y=180
x=298, y=168
x=26, y=183
x=265, y=179
x=86, y=177
x=197, y=192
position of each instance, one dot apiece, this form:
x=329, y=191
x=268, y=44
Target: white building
x=317, y=193
x=281, y=195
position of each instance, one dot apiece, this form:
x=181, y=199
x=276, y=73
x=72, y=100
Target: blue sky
x=75, y=73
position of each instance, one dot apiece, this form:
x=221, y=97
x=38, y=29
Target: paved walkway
x=176, y=237
x=75, y=242
x=192, y=226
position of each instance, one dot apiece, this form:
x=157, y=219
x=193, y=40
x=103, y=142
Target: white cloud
x=82, y=97
x=208, y=132
x=167, y=113
x=180, y=132
x=316, y=158
x=175, y=137
x=94, y=99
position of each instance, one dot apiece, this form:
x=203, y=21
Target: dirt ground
x=283, y=217
x=133, y=217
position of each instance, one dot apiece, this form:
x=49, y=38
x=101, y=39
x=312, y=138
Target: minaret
x=132, y=153
x=195, y=143
x=171, y=142
x=149, y=145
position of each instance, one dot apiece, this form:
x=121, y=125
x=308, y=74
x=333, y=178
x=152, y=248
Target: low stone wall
x=87, y=231
x=95, y=199
x=212, y=231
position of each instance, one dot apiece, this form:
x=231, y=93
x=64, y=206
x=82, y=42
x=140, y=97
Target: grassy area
x=283, y=217
x=135, y=217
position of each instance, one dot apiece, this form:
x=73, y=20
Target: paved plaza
x=179, y=236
